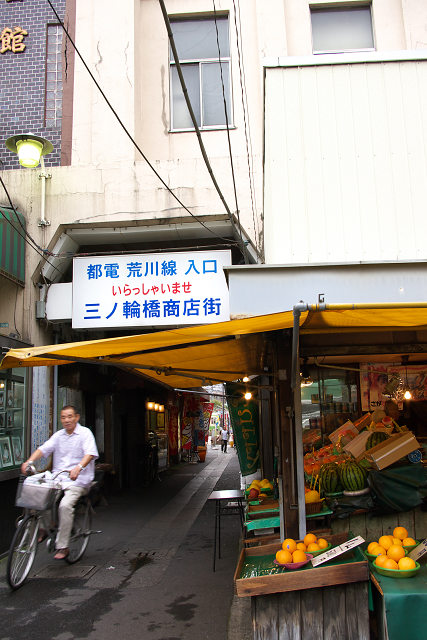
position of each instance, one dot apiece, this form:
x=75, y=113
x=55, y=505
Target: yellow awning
x=225, y=351
x=186, y=357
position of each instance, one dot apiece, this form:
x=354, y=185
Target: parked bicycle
x=40, y=500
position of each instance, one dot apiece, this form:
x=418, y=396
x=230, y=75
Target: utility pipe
x=43, y=176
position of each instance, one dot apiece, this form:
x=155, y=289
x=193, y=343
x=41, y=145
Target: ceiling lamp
x=30, y=148
x=248, y=395
x=407, y=395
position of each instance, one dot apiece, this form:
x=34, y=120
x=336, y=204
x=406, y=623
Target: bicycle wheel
x=22, y=551
x=80, y=532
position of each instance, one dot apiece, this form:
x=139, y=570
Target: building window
x=201, y=60
x=342, y=29
x=12, y=419
x=53, y=94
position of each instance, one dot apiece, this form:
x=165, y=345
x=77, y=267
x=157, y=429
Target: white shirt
x=224, y=434
x=68, y=450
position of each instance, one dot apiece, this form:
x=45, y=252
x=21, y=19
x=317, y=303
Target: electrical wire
x=41, y=252
x=245, y=109
x=228, y=130
x=194, y=121
x=137, y=147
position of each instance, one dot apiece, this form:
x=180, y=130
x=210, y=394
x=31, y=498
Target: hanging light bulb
x=306, y=379
x=245, y=379
x=248, y=395
x=407, y=393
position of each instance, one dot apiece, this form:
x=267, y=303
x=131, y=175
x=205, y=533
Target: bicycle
x=36, y=499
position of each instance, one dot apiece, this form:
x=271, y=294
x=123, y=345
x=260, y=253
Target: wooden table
x=222, y=507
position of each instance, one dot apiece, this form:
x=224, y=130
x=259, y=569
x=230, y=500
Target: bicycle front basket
x=38, y=496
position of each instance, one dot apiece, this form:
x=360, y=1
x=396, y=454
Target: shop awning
x=186, y=357
x=226, y=351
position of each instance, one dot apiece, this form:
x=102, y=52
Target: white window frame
x=340, y=5
x=202, y=62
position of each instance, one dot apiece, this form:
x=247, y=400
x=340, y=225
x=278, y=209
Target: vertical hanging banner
x=207, y=408
x=244, y=419
x=173, y=430
x=190, y=420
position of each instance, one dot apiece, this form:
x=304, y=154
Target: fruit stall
x=353, y=471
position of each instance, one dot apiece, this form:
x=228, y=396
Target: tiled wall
x=23, y=77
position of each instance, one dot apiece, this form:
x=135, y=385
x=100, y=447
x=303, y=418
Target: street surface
x=147, y=575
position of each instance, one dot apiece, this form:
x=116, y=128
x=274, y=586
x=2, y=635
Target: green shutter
x=12, y=245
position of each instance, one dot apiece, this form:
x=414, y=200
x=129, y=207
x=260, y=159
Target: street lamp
x=30, y=150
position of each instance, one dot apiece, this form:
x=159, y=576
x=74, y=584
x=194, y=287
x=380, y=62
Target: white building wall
x=345, y=162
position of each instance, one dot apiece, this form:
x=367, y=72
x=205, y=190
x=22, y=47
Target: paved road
x=148, y=575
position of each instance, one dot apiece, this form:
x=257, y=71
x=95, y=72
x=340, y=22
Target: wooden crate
x=322, y=576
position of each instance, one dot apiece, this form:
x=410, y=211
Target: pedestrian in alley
x=224, y=439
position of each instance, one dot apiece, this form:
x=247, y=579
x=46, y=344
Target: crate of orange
x=263, y=569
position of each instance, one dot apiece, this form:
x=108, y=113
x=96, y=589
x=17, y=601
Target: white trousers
x=66, y=514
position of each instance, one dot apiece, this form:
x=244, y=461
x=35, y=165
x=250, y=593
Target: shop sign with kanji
x=150, y=289
x=12, y=40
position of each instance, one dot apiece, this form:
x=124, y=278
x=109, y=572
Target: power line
x=41, y=252
x=137, y=147
x=246, y=127
x=228, y=132
x=193, y=118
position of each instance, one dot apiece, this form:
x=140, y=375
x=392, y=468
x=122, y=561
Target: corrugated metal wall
x=12, y=245
x=345, y=162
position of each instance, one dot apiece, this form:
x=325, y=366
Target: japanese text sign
x=150, y=289
x=337, y=551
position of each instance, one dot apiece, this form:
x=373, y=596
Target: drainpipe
x=43, y=176
x=297, y=422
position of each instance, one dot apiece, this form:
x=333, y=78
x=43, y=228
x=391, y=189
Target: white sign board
x=337, y=551
x=150, y=289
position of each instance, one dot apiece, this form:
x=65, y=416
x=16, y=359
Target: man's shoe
x=42, y=535
x=61, y=554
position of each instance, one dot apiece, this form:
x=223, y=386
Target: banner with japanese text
x=150, y=289
x=244, y=419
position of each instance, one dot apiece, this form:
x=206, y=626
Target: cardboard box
x=347, y=430
x=391, y=450
x=357, y=446
x=363, y=422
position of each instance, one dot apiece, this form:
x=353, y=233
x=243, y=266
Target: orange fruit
x=301, y=546
x=289, y=544
x=310, y=537
x=395, y=552
x=405, y=564
x=322, y=543
x=371, y=547
x=379, y=551
x=283, y=556
x=299, y=556
x=397, y=541
x=313, y=546
x=400, y=532
x=380, y=560
x=390, y=564
x=385, y=542
x=407, y=542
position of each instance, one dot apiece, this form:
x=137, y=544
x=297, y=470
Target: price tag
x=419, y=550
x=337, y=551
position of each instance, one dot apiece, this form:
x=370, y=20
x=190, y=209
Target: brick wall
x=23, y=77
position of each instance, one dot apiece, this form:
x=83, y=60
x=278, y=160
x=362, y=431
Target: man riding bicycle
x=73, y=448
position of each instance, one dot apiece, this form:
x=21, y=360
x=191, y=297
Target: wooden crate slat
x=334, y=613
x=311, y=615
x=289, y=615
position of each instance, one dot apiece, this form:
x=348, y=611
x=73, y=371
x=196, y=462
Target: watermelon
x=329, y=477
x=375, y=438
x=353, y=476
